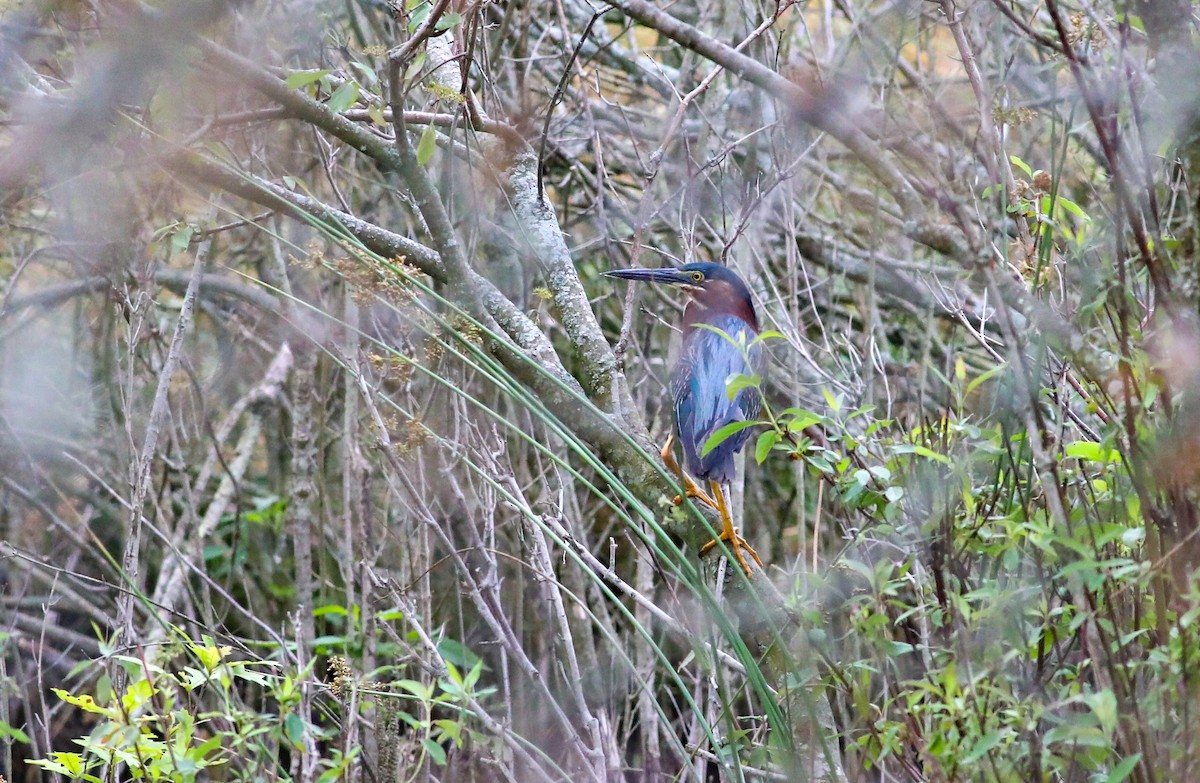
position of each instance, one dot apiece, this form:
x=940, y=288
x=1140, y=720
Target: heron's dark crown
x=715, y=274
x=721, y=291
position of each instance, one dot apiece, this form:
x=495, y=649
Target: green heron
x=719, y=327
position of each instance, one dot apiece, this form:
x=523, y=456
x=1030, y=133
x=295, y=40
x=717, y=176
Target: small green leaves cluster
x=440, y=711
x=178, y=236
x=1000, y=607
x=339, y=93
x=1021, y=595
x=418, y=13
x=787, y=433
x=154, y=727
x=1018, y=588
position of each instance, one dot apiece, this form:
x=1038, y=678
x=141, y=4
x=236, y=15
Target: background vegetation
x=327, y=453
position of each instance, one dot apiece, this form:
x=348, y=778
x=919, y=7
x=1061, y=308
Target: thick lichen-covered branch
x=622, y=443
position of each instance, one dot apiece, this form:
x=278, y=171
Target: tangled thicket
x=326, y=451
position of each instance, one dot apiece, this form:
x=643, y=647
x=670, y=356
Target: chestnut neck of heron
x=717, y=299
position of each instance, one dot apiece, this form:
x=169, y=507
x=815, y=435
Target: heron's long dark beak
x=665, y=275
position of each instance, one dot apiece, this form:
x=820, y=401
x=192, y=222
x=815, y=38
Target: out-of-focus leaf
x=427, y=145
x=304, y=78
x=343, y=97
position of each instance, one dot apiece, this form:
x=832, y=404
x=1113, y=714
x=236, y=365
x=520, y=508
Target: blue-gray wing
x=702, y=405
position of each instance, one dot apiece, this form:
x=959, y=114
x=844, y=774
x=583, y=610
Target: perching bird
x=719, y=330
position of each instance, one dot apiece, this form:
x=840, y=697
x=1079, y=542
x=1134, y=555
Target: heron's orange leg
x=729, y=533
x=690, y=487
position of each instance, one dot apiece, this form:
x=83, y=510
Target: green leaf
x=766, y=442
x=1073, y=208
x=1132, y=20
x=181, y=239
x=447, y=21
x=922, y=451
x=770, y=334
x=418, y=12
x=329, y=640
x=1104, y=707
x=334, y=609
x=209, y=655
x=723, y=434
x=1123, y=770
x=737, y=341
x=365, y=72
x=343, y=97
x=834, y=403
x=801, y=424
x=201, y=751
x=8, y=732
x=799, y=419
x=64, y=763
x=735, y=383
x=427, y=145
x=435, y=751
x=449, y=729
x=985, y=743
x=50, y=766
x=184, y=768
x=421, y=691
x=1022, y=165
x=473, y=676
x=293, y=728
x=1093, y=452
x=73, y=761
x=1078, y=734
x=985, y=377
x=414, y=68
x=85, y=702
x=304, y=78
x=457, y=653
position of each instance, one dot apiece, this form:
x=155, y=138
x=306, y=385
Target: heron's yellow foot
x=738, y=544
x=730, y=535
x=693, y=491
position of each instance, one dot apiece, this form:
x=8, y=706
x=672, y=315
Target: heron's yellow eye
x=698, y=277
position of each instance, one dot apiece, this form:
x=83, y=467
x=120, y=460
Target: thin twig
x=131, y=558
